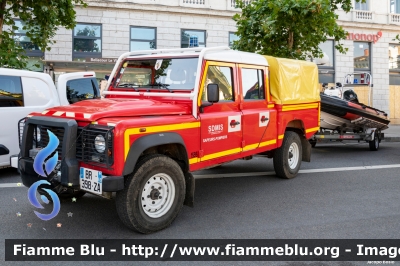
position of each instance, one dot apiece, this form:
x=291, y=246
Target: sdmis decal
x=43, y=168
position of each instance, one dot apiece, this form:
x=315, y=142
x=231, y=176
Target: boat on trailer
x=342, y=117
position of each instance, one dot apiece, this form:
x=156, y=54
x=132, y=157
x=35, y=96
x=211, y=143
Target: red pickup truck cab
x=167, y=113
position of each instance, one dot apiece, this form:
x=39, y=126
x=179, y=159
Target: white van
x=23, y=92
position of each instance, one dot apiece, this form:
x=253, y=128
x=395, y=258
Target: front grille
x=84, y=143
x=86, y=150
x=43, y=137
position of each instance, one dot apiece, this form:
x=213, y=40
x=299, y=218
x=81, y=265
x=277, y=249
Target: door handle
x=263, y=119
x=234, y=123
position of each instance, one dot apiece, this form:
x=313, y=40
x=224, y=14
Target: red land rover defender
x=167, y=113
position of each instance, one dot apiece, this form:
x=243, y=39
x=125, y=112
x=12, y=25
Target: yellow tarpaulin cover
x=293, y=81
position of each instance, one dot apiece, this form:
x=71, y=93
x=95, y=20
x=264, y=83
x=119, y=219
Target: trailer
x=344, y=118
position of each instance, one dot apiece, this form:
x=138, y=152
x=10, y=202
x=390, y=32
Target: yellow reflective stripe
x=312, y=129
x=280, y=136
x=299, y=107
x=220, y=154
x=154, y=129
x=262, y=144
x=250, y=147
x=266, y=143
x=271, y=105
x=193, y=160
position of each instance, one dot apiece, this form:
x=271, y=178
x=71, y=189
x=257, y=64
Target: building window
x=252, y=84
x=326, y=64
x=143, y=38
x=362, y=58
x=232, y=37
x=395, y=6
x=35, y=62
x=394, y=64
x=24, y=41
x=11, y=91
x=394, y=57
x=86, y=41
x=193, y=38
x=362, y=6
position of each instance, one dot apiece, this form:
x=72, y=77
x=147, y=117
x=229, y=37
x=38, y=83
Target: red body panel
x=225, y=131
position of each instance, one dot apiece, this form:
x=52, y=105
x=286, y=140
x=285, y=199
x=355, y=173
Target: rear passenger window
x=82, y=89
x=253, y=84
x=11, y=91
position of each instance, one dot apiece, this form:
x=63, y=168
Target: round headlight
x=100, y=144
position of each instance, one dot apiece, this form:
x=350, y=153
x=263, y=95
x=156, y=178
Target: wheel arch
x=167, y=143
x=298, y=127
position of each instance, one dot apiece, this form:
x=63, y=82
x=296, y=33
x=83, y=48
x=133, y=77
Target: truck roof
x=231, y=56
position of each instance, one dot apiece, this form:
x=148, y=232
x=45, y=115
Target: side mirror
x=212, y=96
x=213, y=93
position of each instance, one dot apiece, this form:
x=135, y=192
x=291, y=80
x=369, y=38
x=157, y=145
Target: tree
x=40, y=20
x=289, y=28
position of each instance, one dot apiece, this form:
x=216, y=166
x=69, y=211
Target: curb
x=392, y=139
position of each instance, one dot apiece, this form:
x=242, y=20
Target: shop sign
x=101, y=60
x=364, y=37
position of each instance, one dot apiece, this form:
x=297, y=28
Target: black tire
x=374, y=144
x=131, y=201
x=284, y=164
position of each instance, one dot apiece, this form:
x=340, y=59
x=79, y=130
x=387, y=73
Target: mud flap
x=190, y=185
x=306, y=150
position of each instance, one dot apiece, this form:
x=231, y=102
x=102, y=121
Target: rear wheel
x=287, y=159
x=153, y=194
x=374, y=144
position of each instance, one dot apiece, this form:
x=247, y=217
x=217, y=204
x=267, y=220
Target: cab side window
x=253, y=84
x=222, y=76
x=82, y=89
x=11, y=91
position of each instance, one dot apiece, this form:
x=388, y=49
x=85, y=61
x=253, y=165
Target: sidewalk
x=392, y=134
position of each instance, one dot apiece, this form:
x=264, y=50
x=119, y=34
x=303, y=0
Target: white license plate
x=91, y=180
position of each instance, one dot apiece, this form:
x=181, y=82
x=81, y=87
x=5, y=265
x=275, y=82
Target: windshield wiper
x=128, y=85
x=160, y=85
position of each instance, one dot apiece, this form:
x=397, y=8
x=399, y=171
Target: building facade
x=106, y=29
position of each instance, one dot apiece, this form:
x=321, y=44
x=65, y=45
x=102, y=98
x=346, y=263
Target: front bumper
x=68, y=173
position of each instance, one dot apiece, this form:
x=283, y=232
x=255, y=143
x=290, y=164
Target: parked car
x=23, y=92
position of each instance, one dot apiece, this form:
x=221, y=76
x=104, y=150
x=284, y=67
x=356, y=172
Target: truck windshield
x=167, y=73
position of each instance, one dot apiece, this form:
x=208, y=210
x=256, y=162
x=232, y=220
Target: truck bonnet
x=92, y=110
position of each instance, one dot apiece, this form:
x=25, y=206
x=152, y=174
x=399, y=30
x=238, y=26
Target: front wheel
x=287, y=159
x=153, y=194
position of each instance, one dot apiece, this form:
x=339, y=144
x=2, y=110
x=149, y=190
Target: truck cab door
x=78, y=86
x=221, y=123
x=259, y=114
